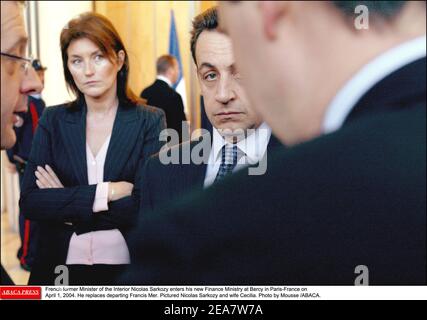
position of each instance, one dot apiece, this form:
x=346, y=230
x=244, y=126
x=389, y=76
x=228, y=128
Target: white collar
x=367, y=77
x=253, y=146
x=36, y=96
x=163, y=78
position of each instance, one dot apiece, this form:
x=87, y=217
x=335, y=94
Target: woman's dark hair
x=100, y=31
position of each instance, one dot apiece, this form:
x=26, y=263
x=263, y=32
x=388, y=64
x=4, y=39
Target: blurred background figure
x=43, y=22
x=161, y=94
x=18, y=157
x=18, y=78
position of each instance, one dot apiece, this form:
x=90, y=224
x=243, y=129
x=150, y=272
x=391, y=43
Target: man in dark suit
x=167, y=175
x=161, y=94
x=163, y=183
x=345, y=204
x=18, y=78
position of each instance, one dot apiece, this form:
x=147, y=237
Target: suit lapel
x=190, y=175
x=194, y=175
x=198, y=172
x=274, y=144
x=74, y=135
x=124, y=136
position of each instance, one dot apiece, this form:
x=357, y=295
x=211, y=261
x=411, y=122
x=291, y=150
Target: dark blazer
x=354, y=197
x=5, y=278
x=163, y=183
x=25, y=133
x=60, y=141
x=160, y=95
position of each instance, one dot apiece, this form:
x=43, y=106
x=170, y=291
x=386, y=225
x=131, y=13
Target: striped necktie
x=228, y=161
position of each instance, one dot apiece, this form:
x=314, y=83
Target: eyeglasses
x=25, y=62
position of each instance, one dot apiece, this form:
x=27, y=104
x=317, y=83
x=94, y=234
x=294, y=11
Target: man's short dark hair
x=164, y=63
x=207, y=20
x=385, y=9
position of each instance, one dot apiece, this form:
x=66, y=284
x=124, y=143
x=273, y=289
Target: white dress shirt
x=250, y=151
x=98, y=247
x=163, y=78
x=372, y=73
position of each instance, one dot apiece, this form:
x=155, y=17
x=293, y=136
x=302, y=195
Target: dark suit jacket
x=25, y=133
x=160, y=95
x=354, y=197
x=60, y=141
x=163, y=183
x=5, y=279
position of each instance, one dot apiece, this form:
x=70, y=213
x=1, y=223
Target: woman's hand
x=119, y=190
x=46, y=178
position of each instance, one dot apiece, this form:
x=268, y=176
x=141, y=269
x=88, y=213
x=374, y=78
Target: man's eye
x=210, y=76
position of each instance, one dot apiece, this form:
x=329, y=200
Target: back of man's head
x=309, y=50
x=164, y=63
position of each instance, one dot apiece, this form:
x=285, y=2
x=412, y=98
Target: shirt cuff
x=101, y=198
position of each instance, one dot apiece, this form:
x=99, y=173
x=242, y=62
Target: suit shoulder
x=57, y=109
x=54, y=113
x=151, y=117
x=147, y=90
x=166, y=152
x=175, y=94
x=164, y=88
x=154, y=87
x=150, y=112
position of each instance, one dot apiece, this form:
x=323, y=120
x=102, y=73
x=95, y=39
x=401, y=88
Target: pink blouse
x=98, y=247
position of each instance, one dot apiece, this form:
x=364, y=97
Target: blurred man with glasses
x=18, y=156
x=18, y=78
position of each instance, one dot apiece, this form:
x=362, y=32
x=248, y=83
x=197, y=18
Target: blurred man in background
x=18, y=157
x=162, y=95
x=18, y=78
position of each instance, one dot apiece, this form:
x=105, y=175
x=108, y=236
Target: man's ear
x=271, y=13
